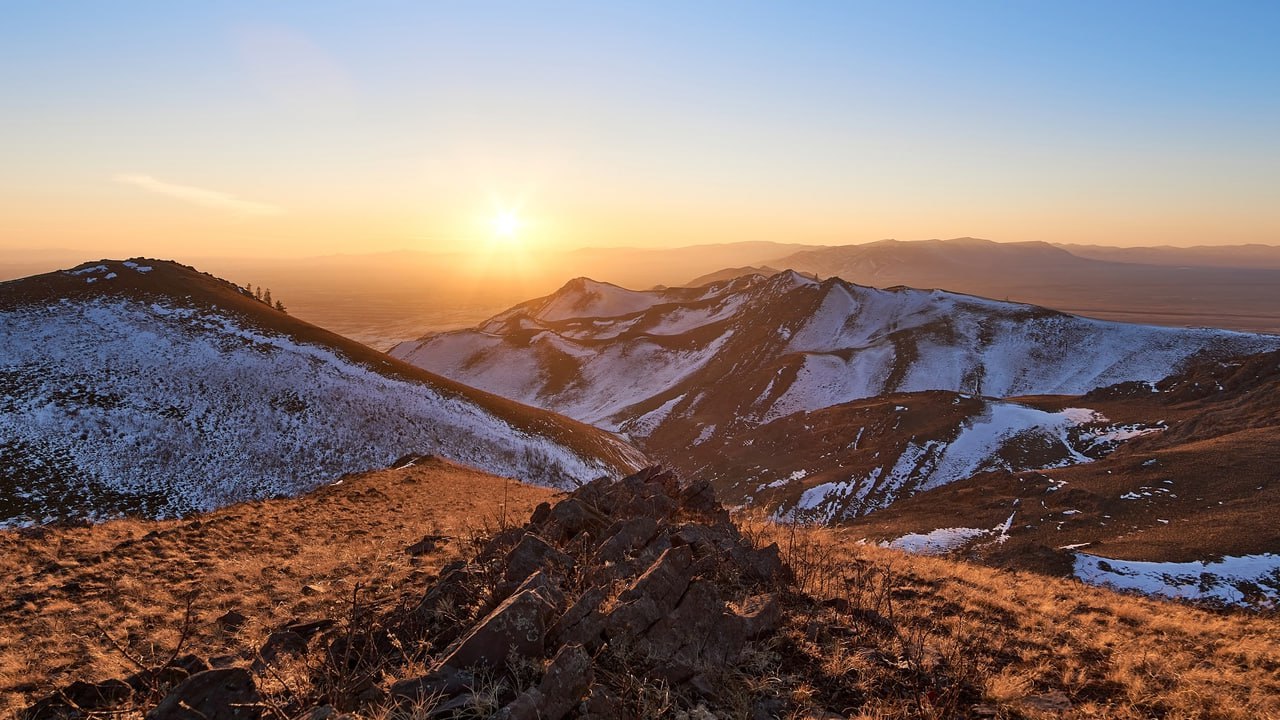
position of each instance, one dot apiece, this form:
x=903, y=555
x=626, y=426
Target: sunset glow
x=283, y=130
x=506, y=225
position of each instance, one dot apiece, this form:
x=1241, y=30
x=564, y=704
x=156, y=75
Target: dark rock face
x=225, y=694
x=517, y=627
x=444, y=682
x=565, y=683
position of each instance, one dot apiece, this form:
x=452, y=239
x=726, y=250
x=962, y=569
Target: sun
x=505, y=224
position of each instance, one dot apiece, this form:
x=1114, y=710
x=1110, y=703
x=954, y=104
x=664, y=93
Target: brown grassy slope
x=1026, y=640
x=272, y=561
x=1032, y=642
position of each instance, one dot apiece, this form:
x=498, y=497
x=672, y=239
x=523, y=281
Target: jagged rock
x=707, y=538
x=191, y=663
x=697, y=633
x=653, y=594
x=821, y=714
x=53, y=707
x=700, y=497
x=570, y=517
x=225, y=694
x=456, y=586
x=626, y=536
x=445, y=682
x=583, y=623
x=516, y=627
x=427, y=544
x=764, y=565
x=1055, y=701
x=168, y=676
x=325, y=712
x=565, y=682
x=531, y=555
x=454, y=707
x=665, y=580
x=768, y=708
x=96, y=696
x=540, y=514
x=221, y=661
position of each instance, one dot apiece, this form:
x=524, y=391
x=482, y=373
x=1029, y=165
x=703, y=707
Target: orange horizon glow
x=254, y=130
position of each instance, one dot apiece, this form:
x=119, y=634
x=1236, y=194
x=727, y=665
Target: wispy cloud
x=199, y=196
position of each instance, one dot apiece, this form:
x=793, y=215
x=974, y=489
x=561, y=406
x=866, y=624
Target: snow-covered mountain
x=145, y=386
x=702, y=378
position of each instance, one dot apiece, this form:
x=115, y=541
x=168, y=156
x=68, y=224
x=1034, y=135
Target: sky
x=179, y=129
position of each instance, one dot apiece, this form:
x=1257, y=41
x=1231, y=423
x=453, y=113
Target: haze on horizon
x=289, y=129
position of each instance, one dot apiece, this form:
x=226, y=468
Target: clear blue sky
x=286, y=127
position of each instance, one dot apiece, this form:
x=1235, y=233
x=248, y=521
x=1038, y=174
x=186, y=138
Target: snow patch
x=936, y=542
x=1247, y=579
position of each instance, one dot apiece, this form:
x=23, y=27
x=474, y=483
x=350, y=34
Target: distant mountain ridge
x=1152, y=285
x=148, y=387
x=695, y=375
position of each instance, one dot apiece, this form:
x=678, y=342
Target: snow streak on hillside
x=164, y=409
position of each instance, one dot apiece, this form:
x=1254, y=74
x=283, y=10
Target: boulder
x=97, y=696
x=223, y=694
x=602, y=703
x=77, y=697
x=280, y=644
x=759, y=615
x=310, y=628
x=582, y=623
x=427, y=544
x=516, y=627
x=624, y=537
x=562, y=687
x=652, y=595
x=531, y=555
x=232, y=620
x=569, y=517
x=698, y=633
x=445, y=682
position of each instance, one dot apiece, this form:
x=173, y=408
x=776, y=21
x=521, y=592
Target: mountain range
x=933, y=420
x=900, y=411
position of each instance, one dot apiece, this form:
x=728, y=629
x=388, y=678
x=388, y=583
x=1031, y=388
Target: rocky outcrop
x=639, y=576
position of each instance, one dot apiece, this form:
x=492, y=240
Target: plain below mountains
x=146, y=387
x=1232, y=287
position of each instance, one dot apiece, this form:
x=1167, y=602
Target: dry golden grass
x=1027, y=637
x=902, y=636
x=130, y=579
